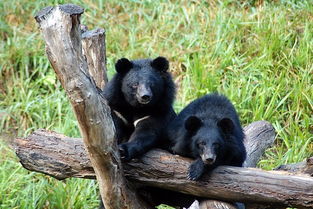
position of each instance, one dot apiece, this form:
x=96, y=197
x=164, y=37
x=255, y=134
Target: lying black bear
x=208, y=130
x=140, y=95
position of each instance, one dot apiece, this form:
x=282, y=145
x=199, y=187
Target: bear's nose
x=145, y=98
x=209, y=160
x=144, y=94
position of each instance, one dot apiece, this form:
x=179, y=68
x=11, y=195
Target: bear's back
x=214, y=106
x=210, y=109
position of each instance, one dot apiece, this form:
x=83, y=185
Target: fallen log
x=63, y=157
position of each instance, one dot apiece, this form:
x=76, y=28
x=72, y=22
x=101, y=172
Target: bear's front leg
x=139, y=143
x=196, y=169
x=136, y=148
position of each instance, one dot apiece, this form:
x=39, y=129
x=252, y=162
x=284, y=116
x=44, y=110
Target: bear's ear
x=226, y=125
x=193, y=123
x=123, y=65
x=160, y=64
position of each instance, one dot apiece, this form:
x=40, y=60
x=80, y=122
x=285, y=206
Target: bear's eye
x=201, y=144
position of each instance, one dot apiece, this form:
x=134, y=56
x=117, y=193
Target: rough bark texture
x=64, y=157
x=55, y=155
x=93, y=43
x=305, y=167
x=60, y=27
x=260, y=135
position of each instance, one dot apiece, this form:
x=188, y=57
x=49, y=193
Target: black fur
x=209, y=131
x=140, y=88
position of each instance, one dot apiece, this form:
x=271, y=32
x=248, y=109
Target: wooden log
x=260, y=135
x=55, y=155
x=93, y=43
x=225, y=183
x=42, y=147
x=60, y=27
x=64, y=157
x=305, y=167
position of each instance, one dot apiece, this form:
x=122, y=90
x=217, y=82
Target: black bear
x=140, y=95
x=209, y=131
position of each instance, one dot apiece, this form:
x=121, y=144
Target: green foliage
x=258, y=53
x=162, y=206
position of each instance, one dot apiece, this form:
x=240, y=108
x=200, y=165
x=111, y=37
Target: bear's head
x=143, y=82
x=208, y=137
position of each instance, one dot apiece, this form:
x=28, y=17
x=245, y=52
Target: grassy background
x=258, y=53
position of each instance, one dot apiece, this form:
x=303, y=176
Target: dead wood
x=305, y=167
x=60, y=27
x=93, y=43
x=64, y=157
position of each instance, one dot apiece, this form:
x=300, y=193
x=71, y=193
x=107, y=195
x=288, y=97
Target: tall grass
x=258, y=53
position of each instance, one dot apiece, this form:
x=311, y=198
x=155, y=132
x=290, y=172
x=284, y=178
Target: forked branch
x=61, y=31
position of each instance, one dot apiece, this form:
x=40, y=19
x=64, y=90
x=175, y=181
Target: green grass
x=258, y=54
x=23, y=189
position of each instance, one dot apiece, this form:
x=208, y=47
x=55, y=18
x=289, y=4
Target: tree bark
x=260, y=135
x=60, y=27
x=63, y=157
x=93, y=43
x=305, y=167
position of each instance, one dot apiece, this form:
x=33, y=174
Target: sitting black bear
x=140, y=95
x=209, y=131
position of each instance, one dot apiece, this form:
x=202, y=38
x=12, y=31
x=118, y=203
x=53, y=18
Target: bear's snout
x=209, y=161
x=208, y=158
x=144, y=94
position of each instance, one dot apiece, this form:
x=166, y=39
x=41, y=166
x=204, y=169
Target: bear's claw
x=196, y=169
x=123, y=152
